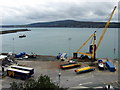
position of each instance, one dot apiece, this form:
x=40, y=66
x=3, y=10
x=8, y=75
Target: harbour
x=61, y=58
x=47, y=64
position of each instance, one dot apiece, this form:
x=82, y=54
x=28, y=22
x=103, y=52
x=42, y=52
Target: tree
x=42, y=83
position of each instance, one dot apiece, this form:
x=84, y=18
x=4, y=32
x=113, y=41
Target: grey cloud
x=52, y=11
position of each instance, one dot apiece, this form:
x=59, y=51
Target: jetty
x=13, y=31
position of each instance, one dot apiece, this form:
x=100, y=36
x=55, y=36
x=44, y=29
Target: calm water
x=51, y=41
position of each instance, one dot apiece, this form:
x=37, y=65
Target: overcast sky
x=30, y=11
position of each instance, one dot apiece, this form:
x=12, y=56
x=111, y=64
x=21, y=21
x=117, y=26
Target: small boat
x=101, y=64
x=21, y=36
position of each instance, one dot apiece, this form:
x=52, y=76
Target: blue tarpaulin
x=59, y=55
x=20, y=55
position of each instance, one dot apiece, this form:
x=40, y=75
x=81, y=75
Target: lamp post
x=69, y=39
x=59, y=75
x=13, y=45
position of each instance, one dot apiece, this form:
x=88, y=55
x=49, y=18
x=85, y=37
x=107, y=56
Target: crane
x=93, y=46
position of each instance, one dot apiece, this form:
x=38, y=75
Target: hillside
x=69, y=24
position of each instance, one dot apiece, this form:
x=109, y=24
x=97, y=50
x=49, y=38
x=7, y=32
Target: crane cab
x=91, y=48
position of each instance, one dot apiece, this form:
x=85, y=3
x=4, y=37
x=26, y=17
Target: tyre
x=23, y=78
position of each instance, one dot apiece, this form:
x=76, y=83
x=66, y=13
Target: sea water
x=51, y=41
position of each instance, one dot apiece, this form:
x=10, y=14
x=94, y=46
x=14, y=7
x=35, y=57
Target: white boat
x=101, y=66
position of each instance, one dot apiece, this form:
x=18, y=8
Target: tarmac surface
x=68, y=78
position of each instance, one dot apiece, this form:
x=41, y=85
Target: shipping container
x=110, y=66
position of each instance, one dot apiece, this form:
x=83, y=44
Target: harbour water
x=51, y=41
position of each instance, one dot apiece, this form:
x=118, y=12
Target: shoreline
x=54, y=57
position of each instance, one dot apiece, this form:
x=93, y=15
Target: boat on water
x=22, y=36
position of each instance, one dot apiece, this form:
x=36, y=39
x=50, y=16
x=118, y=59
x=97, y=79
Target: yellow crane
x=94, y=47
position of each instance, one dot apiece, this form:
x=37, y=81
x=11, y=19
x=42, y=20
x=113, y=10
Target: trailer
x=31, y=70
x=84, y=69
x=69, y=65
x=15, y=73
x=110, y=66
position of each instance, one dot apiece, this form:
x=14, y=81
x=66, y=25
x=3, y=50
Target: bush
x=42, y=83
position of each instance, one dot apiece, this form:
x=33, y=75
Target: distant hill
x=69, y=24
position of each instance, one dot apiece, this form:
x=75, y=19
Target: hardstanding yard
x=68, y=77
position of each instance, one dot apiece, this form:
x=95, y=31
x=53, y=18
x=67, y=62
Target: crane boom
x=85, y=43
x=92, y=53
x=105, y=29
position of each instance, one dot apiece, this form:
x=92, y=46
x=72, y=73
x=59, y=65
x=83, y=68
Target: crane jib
x=93, y=48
